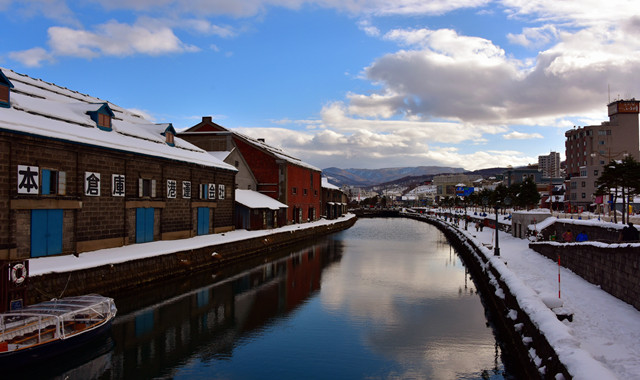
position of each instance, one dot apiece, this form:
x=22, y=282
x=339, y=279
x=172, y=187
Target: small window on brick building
x=294, y=190
x=5, y=91
x=146, y=188
x=53, y=182
x=169, y=134
x=169, y=139
x=102, y=116
x=4, y=94
x=304, y=192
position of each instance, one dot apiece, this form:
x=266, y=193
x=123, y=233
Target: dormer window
x=104, y=121
x=102, y=116
x=169, y=134
x=169, y=138
x=5, y=91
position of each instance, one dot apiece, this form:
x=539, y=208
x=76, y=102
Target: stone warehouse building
x=277, y=174
x=78, y=173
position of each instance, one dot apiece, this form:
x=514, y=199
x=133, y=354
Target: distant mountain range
x=396, y=176
x=371, y=177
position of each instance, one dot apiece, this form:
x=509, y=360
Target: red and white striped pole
x=559, y=295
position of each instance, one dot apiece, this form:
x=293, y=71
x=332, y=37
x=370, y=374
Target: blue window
x=203, y=220
x=46, y=232
x=144, y=224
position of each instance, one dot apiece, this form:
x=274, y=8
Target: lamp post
x=506, y=201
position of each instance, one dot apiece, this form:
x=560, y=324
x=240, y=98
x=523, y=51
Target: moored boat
x=51, y=328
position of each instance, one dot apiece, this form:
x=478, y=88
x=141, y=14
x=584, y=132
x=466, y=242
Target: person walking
x=567, y=237
x=629, y=233
x=582, y=236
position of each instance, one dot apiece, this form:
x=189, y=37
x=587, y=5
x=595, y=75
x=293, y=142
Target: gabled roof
x=208, y=126
x=50, y=111
x=327, y=185
x=4, y=80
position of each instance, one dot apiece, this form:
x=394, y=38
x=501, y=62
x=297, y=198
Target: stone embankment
x=114, y=278
x=536, y=355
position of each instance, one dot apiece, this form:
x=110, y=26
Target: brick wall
x=594, y=232
x=5, y=156
x=614, y=268
x=93, y=222
x=108, y=280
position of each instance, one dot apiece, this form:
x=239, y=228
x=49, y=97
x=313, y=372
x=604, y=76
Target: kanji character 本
x=28, y=179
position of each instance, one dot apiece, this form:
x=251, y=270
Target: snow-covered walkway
x=604, y=327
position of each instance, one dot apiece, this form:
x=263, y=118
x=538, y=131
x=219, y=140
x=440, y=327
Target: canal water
x=385, y=299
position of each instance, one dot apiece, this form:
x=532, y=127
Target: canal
x=385, y=299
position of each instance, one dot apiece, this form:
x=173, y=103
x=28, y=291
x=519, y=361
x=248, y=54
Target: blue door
x=203, y=220
x=144, y=224
x=46, y=232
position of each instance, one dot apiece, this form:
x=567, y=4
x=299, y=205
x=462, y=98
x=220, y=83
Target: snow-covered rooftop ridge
x=51, y=111
x=254, y=199
x=327, y=185
x=277, y=152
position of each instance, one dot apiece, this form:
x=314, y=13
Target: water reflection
x=384, y=299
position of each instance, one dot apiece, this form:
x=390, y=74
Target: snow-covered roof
x=254, y=199
x=221, y=155
x=45, y=109
x=327, y=185
x=276, y=152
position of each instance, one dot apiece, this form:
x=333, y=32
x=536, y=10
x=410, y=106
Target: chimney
x=261, y=140
x=206, y=119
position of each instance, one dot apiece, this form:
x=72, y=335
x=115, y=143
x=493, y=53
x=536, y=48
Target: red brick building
x=278, y=174
x=79, y=174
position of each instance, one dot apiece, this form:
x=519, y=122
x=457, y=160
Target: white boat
x=51, y=328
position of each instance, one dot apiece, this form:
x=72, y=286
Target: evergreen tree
x=620, y=179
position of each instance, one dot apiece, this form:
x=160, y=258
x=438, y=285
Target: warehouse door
x=46, y=232
x=203, y=220
x=144, y=224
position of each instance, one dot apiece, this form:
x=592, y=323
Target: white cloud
x=32, y=57
x=521, y=136
x=146, y=36
x=534, y=37
x=117, y=39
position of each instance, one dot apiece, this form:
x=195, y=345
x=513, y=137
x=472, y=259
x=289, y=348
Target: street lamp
x=507, y=203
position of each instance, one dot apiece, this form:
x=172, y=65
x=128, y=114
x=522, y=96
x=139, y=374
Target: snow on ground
x=603, y=341
x=68, y=263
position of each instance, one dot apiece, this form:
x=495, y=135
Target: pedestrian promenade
x=602, y=341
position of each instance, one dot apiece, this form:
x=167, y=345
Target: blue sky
x=346, y=83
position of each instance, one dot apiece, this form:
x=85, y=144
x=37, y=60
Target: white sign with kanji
x=117, y=185
x=171, y=188
x=92, y=184
x=28, y=179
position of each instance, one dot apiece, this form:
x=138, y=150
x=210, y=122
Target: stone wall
x=111, y=279
x=594, y=232
x=613, y=267
x=511, y=322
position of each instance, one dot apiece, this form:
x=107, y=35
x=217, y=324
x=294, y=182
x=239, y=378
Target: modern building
x=278, y=174
x=549, y=165
x=79, y=173
x=446, y=184
x=589, y=148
